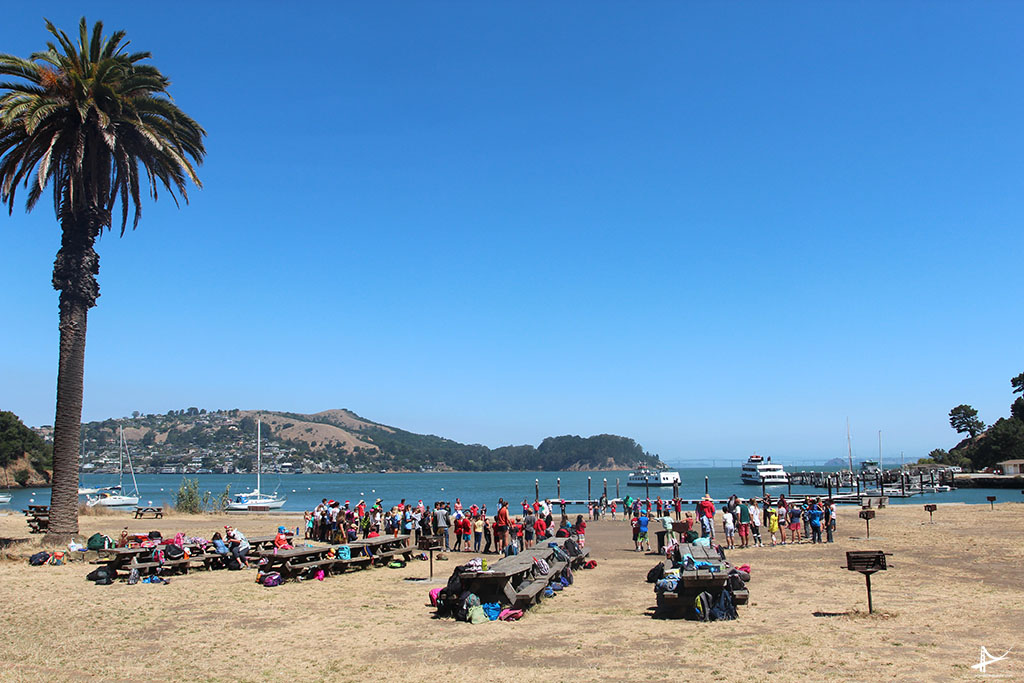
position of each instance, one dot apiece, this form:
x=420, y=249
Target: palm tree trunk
x=74, y=276
x=67, y=423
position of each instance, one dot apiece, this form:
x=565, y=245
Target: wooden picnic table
x=292, y=562
x=696, y=580
x=381, y=548
x=512, y=580
x=141, y=512
x=257, y=543
x=126, y=559
x=38, y=518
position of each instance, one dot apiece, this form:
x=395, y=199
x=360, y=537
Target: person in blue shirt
x=814, y=515
x=641, y=537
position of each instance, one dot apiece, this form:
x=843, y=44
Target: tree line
x=985, y=446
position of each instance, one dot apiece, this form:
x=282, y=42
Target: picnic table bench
x=38, y=518
x=126, y=559
x=512, y=580
x=141, y=512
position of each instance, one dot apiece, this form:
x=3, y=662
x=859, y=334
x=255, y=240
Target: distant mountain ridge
x=340, y=440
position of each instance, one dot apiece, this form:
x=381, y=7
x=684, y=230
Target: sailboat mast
x=849, y=451
x=880, y=452
x=131, y=468
x=259, y=465
x=120, y=458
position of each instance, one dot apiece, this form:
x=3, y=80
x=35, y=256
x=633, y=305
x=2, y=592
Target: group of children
x=752, y=521
x=460, y=528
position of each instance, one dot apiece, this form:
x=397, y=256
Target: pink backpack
x=510, y=614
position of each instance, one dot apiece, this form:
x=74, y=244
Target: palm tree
x=88, y=120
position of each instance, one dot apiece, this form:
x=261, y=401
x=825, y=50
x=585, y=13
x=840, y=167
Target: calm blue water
x=304, y=491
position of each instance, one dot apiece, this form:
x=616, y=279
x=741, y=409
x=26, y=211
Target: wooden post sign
x=991, y=502
x=430, y=543
x=930, y=509
x=867, y=516
x=867, y=562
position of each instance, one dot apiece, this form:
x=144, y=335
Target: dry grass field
x=954, y=587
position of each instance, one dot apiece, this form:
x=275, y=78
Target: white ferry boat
x=869, y=468
x=757, y=470
x=644, y=476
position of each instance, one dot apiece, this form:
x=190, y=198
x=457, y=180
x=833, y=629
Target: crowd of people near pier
x=745, y=523
x=459, y=527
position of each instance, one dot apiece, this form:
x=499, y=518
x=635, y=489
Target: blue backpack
x=724, y=608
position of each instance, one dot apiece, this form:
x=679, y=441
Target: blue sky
x=715, y=228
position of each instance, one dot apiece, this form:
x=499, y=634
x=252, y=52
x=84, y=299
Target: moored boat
x=255, y=500
x=756, y=470
x=645, y=476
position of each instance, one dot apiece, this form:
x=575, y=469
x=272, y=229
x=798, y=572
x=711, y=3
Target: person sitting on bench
x=238, y=544
x=281, y=539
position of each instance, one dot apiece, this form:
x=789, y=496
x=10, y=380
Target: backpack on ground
x=590, y=564
x=233, y=564
x=57, y=558
x=39, y=559
x=702, y=606
x=271, y=579
x=477, y=615
x=100, y=572
x=724, y=608
x=656, y=572
x=133, y=577
x=466, y=601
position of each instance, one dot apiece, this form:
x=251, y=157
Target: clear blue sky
x=712, y=227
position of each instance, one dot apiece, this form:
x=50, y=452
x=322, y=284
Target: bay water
x=304, y=491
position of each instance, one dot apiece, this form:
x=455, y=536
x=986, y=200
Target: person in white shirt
x=755, y=523
x=730, y=527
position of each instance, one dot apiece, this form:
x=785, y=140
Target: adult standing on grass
x=743, y=510
x=501, y=525
x=441, y=523
x=93, y=122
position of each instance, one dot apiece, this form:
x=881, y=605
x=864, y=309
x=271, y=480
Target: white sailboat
x=113, y=497
x=254, y=500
